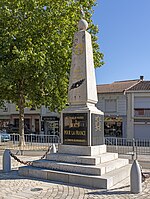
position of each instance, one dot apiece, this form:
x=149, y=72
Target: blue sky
x=124, y=38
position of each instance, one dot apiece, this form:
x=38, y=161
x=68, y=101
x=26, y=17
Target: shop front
x=50, y=125
x=4, y=122
x=31, y=123
x=113, y=127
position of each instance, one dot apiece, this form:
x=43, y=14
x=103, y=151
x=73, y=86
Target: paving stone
x=13, y=186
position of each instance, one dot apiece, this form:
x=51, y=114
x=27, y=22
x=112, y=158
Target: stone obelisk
x=81, y=158
x=82, y=123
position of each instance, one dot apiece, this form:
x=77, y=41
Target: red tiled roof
x=143, y=85
x=116, y=87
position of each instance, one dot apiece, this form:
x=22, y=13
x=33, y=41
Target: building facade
x=126, y=105
x=9, y=118
x=39, y=121
x=138, y=111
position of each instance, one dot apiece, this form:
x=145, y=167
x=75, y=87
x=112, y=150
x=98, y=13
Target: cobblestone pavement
x=13, y=186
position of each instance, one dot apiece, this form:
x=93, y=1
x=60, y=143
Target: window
x=142, y=112
x=16, y=122
x=33, y=108
x=110, y=105
x=48, y=109
x=139, y=111
x=5, y=109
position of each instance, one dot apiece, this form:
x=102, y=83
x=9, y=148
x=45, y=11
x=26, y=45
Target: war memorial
x=82, y=158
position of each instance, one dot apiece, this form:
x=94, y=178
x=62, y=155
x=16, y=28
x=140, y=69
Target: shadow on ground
x=111, y=191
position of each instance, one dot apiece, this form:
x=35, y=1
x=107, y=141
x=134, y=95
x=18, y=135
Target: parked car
x=4, y=136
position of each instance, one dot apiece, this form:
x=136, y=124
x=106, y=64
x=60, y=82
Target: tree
x=35, y=51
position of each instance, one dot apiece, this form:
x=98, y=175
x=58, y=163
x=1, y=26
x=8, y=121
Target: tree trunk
x=21, y=120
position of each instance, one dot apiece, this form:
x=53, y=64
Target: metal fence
x=128, y=146
x=42, y=142
x=32, y=142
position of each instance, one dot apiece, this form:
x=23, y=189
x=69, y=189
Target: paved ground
x=13, y=186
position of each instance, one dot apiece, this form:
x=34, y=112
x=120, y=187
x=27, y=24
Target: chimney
x=142, y=77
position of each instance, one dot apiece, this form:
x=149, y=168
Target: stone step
x=89, y=160
x=105, y=181
x=82, y=150
x=80, y=168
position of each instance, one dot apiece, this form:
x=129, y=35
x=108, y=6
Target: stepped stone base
x=94, y=167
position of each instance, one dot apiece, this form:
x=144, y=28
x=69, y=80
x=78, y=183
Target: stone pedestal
x=82, y=126
x=82, y=150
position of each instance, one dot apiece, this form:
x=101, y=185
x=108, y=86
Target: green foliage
x=35, y=49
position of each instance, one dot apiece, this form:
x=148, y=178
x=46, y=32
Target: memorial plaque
x=75, y=129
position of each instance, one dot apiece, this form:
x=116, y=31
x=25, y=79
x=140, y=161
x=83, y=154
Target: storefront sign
x=50, y=118
x=75, y=129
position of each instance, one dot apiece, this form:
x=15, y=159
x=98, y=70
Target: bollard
x=135, y=178
x=53, y=149
x=6, y=161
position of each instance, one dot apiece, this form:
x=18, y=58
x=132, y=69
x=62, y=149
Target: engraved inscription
x=78, y=49
x=75, y=128
x=98, y=123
